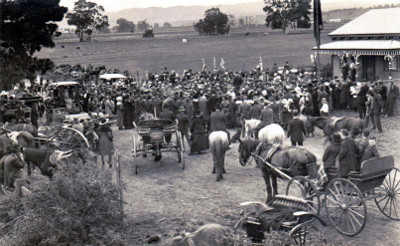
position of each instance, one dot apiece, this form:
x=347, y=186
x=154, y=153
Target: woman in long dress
x=199, y=141
x=105, y=147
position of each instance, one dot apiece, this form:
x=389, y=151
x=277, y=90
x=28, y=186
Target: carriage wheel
x=249, y=233
x=67, y=138
x=345, y=207
x=134, y=152
x=307, y=234
x=180, y=151
x=389, y=203
x=302, y=187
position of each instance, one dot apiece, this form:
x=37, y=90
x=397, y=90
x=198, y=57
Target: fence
x=117, y=178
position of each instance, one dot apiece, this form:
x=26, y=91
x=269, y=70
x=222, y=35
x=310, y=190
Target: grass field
x=133, y=53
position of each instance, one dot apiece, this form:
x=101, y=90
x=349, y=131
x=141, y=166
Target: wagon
x=157, y=136
x=61, y=137
x=344, y=199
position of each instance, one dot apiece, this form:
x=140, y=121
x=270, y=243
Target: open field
x=133, y=53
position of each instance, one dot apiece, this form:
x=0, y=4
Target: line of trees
x=214, y=23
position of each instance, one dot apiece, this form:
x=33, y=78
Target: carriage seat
x=373, y=168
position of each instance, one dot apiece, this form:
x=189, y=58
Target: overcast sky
x=115, y=5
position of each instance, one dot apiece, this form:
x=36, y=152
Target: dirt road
x=163, y=199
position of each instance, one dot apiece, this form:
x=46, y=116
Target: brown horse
x=329, y=125
x=291, y=160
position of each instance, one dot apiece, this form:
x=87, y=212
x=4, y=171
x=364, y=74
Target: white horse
x=219, y=144
x=250, y=126
x=272, y=134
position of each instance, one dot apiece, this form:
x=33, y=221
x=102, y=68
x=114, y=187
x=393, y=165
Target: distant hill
x=187, y=15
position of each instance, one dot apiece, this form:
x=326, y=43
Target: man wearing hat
x=183, y=125
x=296, y=129
x=244, y=112
x=393, y=96
x=347, y=155
x=218, y=121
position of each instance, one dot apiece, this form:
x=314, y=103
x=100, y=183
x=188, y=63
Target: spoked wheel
x=249, y=229
x=302, y=187
x=345, y=207
x=180, y=150
x=134, y=152
x=389, y=203
x=67, y=138
x=307, y=234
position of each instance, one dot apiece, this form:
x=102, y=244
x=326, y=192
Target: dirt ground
x=163, y=199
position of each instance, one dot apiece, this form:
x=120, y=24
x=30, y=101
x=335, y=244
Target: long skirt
x=199, y=142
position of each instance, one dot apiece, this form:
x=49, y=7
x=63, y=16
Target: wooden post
x=120, y=186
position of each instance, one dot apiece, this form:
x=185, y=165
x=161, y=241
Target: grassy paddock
x=133, y=53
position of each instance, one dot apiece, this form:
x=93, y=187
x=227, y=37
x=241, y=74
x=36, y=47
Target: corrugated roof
x=361, y=45
x=375, y=21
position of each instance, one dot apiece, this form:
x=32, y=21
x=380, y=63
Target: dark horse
x=291, y=160
x=329, y=125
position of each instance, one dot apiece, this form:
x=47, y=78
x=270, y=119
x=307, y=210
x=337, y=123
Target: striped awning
x=361, y=47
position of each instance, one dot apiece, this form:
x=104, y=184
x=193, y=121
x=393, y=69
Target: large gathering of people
x=207, y=101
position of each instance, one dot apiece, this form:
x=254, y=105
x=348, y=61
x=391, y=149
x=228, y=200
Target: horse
x=272, y=134
x=329, y=125
x=219, y=143
x=21, y=127
x=20, y=139
x=250, y=126
x=292, y=160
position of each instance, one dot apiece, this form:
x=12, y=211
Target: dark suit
x=255, y=111
x=376, y=108
x=218, y=122
x=369, y=152
x=267, y=116
x=330, y=154
x=296, y=131
x=347, y=157
x=167, y=114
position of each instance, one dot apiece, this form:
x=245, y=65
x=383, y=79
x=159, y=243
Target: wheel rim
x=308, y=234
x=302, y=187
x=345, y=207
x=67, y=139
x=389, y=202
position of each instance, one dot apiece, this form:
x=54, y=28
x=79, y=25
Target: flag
x=318, y=25
x=215, y=64
x=261, y=64
x=204, y=65
x=222, y=63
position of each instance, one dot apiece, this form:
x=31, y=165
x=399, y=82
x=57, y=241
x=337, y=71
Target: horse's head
x=246, y=147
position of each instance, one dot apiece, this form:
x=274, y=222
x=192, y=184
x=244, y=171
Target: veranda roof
x=376, y=22
x=361, y=47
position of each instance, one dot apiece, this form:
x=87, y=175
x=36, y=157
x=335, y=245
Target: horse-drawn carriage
x=18, y=109
x=157, y=136
x=344, y=199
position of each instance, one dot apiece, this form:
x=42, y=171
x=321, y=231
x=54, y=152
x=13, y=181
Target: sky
x=115, y=5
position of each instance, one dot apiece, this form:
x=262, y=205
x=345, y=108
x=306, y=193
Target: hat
x=103, y=121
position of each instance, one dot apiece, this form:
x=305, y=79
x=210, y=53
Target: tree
x=167, y=25
x=156, y=26
x=87, y=16
x=232, y=21
x=104, y=30
x=143, y=25
x=26, y=27
x=215, y=22
x=125, y=25
x=281, y=12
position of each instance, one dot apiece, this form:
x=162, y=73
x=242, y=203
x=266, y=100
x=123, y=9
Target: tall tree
x=167, y=25
x=281, y=12
x=214, y=23
x=26, y=27
x=143, y=25
x=125, y=26
x=87, y=16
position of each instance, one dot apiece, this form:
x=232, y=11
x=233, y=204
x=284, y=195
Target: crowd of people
x=207, y=101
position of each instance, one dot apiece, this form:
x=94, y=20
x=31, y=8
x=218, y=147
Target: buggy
x=157, y=136
x=344, y=198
